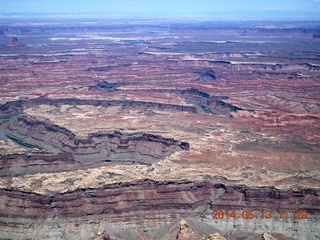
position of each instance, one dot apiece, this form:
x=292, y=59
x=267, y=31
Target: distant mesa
x=316, y=35
x=15, y=42
x=106, y=86
x=208, y=76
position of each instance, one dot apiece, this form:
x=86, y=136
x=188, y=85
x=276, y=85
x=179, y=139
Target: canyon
x=128, y=129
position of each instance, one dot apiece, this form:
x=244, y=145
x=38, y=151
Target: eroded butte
x=140, y=130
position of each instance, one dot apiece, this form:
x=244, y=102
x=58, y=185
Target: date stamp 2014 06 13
x=263, y=214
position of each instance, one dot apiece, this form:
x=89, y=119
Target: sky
x=236, y=8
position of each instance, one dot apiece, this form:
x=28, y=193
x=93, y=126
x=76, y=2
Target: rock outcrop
x=119, y=203
x=14, y=42
x=139, y=147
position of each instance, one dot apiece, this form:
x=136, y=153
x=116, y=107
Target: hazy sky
x=301, y=8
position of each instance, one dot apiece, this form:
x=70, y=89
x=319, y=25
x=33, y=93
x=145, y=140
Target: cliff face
x=94, y=149
x=138, y=147
x=21, y=164
x=162, y=202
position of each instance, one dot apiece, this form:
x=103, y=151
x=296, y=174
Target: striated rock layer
x=148, y=204
x=120, y=129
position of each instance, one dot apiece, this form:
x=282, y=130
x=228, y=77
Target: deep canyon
x=128, y=129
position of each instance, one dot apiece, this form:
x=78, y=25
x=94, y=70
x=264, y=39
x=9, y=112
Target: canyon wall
x=151, y=205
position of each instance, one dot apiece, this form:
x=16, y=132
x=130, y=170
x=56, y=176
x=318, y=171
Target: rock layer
x=119, y=203
x=122, y=129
